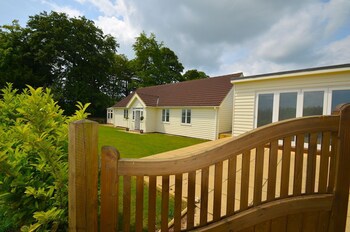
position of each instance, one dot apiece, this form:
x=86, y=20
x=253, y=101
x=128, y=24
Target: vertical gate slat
x=178, y=202
x=258, y=175
x=323, y=221
x=231, y=186
x=165, y=203
x=285, y=166
x=126, y=203
x=204, y=196
x=271, y=182
x=324, y=162
x=191, y=199
x=217, y=191
x=334, y=150
x=310, y=221
x=109, y=189
x=279, y=224
x=298, y=165
x=152, y=203
x=139, y=203
x=294, y=222
x=245, y=180
x=311, y=163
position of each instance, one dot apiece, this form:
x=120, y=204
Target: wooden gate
x=288, y=176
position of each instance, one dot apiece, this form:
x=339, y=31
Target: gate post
x=341, y=191
x=83, y=176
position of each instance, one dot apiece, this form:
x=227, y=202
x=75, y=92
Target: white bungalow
x=198, y=108
x=266, y=98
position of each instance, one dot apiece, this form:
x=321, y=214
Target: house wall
x=202, y=125
x=245, y=93
x=225, y=113
x=118, y=118
x=151, y=116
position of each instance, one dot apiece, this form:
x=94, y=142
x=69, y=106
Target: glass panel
x=183, y=116
x=188, y=116
x=313, y=103
x=288, y=106
x=339, y=97
x=167, y=115
x=163, y=115
x=265, y=109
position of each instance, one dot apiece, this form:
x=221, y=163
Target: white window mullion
x=276, y=103
x=300, y=104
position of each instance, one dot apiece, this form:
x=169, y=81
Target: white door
x=137, y=119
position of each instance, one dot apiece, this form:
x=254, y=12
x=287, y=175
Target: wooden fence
x=288, y=176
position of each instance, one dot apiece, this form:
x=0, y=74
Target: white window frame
x=126, y=114
x=329, y=96
x=110, y=114
x=300, y=101
x=165, y=113
x=186, y=117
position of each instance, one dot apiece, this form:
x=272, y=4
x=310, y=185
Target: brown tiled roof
x=202, y=92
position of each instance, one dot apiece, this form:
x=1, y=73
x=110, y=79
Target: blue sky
x=218, y=37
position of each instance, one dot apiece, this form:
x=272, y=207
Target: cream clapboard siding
x=245, y=93
x=150, y=115
x=118, y=118
x=225, y=113
x=203, y=123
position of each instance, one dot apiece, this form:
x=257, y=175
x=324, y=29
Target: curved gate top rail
x=240, y=184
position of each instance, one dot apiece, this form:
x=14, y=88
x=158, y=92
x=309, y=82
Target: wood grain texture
x=271, y=210
x=191, y=199
x=286, y=154
x=178, y=202
x=152, y=190
x=311, y=164
x=271, y=182
x=258, y=175
x=109, y=189
x=83, y=176
x=245, y=180
x=204, y=196
x=231, y=185
x=227, y=149
x=217, y=191
x=139, y=204
x=126, y=203
x=165, y=203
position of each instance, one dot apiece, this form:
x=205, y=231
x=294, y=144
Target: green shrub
x=34, y=161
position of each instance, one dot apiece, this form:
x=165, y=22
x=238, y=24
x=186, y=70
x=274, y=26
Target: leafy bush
x=34, y=161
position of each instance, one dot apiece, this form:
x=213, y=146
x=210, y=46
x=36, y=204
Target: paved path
x=188, y=151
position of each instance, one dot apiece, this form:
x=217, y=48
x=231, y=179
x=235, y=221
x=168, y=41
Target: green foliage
x=33, y=160
x=70, y=55
x=154, y=64
x=194, y=74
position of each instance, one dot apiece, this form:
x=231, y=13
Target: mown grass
x=132, y=145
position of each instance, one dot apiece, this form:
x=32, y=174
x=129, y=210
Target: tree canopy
x=79, y=62
x=154, y=63
x=70, y=55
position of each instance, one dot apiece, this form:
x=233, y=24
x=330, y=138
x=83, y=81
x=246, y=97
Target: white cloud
x=63, y=9
x=336, y=52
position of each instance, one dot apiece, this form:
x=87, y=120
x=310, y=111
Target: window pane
x=339, y=97
x=288, y=106
x=313, y=103
x=188, y=116
x=265, y=107
x=163, y=115
x=183, y=116
x=167, y=115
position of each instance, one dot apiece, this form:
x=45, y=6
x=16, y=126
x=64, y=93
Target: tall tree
x=70, y=55
x=194, y=74
x=154, y=64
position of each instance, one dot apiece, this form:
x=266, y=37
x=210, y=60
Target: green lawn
x=132, y=145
